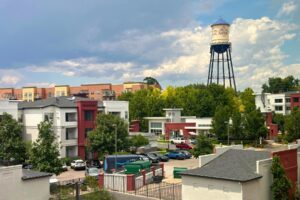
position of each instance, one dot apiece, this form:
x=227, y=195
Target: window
x=71, y=117
x=278, y=108
x=156, y=125
x=126, y=114
x=115, y=113
x=86, y=131
x=49, y=94
x=70, y=133
x=48, y=116
x=296, y=99
x=71, y=151
x=62, y=93
x=288, y=108
x=156, y=131
x=278, y=100
x=288, y=100
x=88, y=115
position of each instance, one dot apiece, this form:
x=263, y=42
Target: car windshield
x=79, y=162
x=93, y=170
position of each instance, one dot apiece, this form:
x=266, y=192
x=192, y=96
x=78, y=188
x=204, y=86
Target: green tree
x=139, y=140
x=281, y=184
x=292, y=125
x=12, y=147
x=45, y=150
x=236, y=129
x=248, y=100
x=279, y=119
x=220, y=122
x=254, y=125
x=102, y=138
x=151, y=81
x=278, y=84
x=203, y=146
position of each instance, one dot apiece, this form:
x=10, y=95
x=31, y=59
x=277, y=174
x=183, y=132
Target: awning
x=192, y=133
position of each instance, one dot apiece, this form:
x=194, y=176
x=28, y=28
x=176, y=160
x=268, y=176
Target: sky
x=49, y=42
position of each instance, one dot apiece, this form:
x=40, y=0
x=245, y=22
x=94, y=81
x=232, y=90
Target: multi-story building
x=98, y=92
x=72, y=118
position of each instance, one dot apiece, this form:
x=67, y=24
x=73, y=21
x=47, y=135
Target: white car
x=78, y=165
x=177, y=140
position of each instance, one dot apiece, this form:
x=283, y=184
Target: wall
x=169, y=127
x=28, y=93
x=13, y=187
x=263, y=191
x=293, y=103
x=6, y=93
x=117, y=106
x=206, y=158
x=10, y=107
x=195, y=188
x=61, y=90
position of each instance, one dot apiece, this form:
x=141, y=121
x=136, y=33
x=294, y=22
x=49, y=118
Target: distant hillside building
x=98, y=92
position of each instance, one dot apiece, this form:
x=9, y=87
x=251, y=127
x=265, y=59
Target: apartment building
x=98, y=92
x=72, y=117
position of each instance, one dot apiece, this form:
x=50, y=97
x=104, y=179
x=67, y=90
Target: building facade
x=72, y=118
x=98, y=92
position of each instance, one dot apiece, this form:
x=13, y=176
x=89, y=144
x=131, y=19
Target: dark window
x=278, y=100
x=71, y=117
x=70, y=133
x=296, y=99
x=288, y=108
x=48, y=116
x=88, y=115
x=278, y=108
x=86, y=131
x=288, y=100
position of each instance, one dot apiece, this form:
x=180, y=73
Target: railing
x=117, y=182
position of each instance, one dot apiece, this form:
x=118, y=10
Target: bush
x=204, y=146
x=83, y=187
x=99, y=195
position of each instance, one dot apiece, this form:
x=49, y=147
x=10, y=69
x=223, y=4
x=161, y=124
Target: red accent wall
x=273, y=128
x=169, y=127
x=82, y=124
x=293, y=102
x=134, y=126
x=288, y=160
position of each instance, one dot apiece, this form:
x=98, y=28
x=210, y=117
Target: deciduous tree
x=292, y=125
x=203, y=146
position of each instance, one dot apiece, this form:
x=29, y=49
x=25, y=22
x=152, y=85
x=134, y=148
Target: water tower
x=220, y=66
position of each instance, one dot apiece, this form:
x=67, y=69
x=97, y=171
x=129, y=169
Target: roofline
x=29, y=87
x=61, y=86
x=24, y=178
x=226, y=179
x=95, y=84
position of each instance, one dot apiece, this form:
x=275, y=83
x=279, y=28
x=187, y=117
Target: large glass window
x=156, y=125
x=278, y=108
x=88, y=115
x=288, y=100
x=71, y=117
x=296, y=99
x=48, y=116
x=156, y=131
x=71, y=151
x=71, y=133
x=278, y=100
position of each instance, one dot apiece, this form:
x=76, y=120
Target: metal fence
x=163, y=190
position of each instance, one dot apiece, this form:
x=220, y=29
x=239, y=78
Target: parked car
x=177, y=140
x=175, y=155
x=183, y=146
x=161, y=157
x=92, y=171
x=78, y=165
x=64, y=167
x=187, y=154
x=144, y=158
x=153, y=158
x=94, y=163
x=27, y=166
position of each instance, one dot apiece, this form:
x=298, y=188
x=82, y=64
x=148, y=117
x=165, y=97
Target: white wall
x=12, y=186
x=251, y=190
x=195, y=188
x=10, y=107
x=263, y=167
x=206, y=158
x=220, y=150
x=117, y=106
x=270, y=102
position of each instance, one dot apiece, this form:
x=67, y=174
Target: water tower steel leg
x=218, y=62
x=228, y=64
x=212, y=67
x=223, y=69
x=209, y=69
x=232, y=70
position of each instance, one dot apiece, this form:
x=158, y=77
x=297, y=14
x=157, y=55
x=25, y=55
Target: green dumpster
x=177, y=170
x=132, y=169
x=143, y=164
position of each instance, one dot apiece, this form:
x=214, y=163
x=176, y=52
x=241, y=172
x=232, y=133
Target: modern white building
x=18, y=183
x=10, y=107
x=232, y=174
x=278, y=103
x=71, y=122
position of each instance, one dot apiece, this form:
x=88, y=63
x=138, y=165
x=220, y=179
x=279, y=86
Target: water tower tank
x=220, y=32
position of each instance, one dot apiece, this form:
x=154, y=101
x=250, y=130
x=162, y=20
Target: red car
x=183, y=146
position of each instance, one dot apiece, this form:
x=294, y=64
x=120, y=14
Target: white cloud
x=287, y=8
x=9, y=78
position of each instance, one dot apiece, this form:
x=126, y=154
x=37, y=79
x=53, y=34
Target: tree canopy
x=203, y=146
x=138, y=140
x=292, y=125
x=12, y=148
x=102, y=138
x=278, y=84
x=45, y=150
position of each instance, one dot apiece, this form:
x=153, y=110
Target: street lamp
x=114, y=125
x=229, y=122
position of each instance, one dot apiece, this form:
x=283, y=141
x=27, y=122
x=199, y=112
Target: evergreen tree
x=281, y=184
x=45, y=150
x=12, y=147
x=254, y=125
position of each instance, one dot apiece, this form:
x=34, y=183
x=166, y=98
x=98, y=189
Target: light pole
x=116, y=137
x=229, y=122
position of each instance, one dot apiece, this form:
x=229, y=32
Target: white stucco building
x=234, y=174
x=119, y=108
x=18, y=183
x=278, y=103
x=10, y=107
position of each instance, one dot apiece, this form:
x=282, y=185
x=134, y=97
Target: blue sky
x=73, y=42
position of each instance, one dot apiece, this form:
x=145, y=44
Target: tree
x=220, y=122
x=203, y=146
x=45, y=150
x=278, y=84
x=254, y=125
x=138, y=140
x=151, y=81
x=102, y=138
x=279, y=119
x=292, y=125
x=236, y=129
x=12, y=147
x=248, y=100
x=281, y=184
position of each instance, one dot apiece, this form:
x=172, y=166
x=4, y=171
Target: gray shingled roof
x=61, y=102
x=234, y=165
x=29, y=174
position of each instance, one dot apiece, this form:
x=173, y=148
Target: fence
x=117, y=182
x=163, y=190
